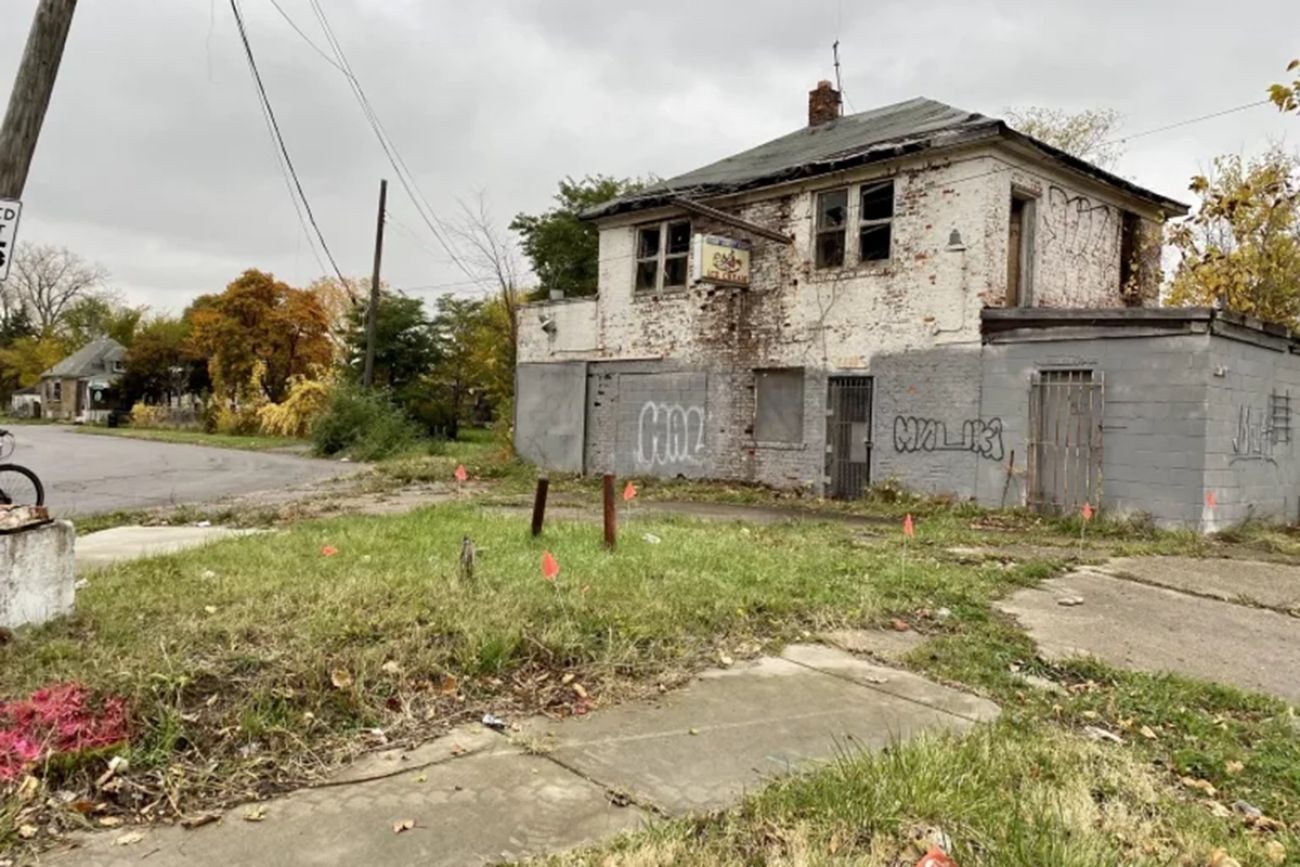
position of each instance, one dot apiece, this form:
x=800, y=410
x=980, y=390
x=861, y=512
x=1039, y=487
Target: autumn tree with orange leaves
x=261, y=328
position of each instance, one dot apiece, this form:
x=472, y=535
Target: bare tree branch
x=46, y=280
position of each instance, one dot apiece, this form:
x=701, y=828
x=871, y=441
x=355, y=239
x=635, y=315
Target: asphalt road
x=86, y=474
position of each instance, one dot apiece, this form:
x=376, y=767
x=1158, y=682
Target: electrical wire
x=404, y=176
x=274, y=125
x=1189, y=121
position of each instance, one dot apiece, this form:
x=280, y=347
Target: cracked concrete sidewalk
x=478, y=797
x=1218, y=620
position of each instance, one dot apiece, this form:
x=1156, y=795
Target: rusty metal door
x=848, y=436
x=1065, y=445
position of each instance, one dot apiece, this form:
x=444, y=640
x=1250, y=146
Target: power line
x=279, y=136
x=404, y=175
x=1189, y=121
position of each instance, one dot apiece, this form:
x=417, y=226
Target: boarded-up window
x=778, y=405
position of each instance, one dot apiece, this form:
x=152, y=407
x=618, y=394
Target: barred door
x=1065, y=447
x=848, y=436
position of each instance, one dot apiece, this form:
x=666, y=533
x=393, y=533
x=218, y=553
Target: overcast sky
x=155, y=160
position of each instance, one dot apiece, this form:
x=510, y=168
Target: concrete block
x=37, y=574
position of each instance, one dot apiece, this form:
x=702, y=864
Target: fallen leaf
x=695, y=731
x=1097, y=733
x=404, y=825
x=110, y=821
x=341, y=678
x=567, y=679
x=210, y=609
x=128, y=839
x=725, y=660
x=391, y=667
x=579, y=690
x=1219, y=811
x=329, y=550
x=1221, y=858
x=28, y=789
x=1275, y=852
x=1234, y=768
x=27, y=832
x=899, y=625
x=1148, y=733
x=422, y=778
x=1202, y=785
x=255, y=813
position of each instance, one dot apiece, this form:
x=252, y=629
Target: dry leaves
x=27, y=832
x=341, y=678
x=1275, y=852
x=128, y=839
x=1221, y=858
x=1201, y=785
x=404, y=825
x=579, y=690
x=1147, y=732
x=255, y=813
x=1234, y=768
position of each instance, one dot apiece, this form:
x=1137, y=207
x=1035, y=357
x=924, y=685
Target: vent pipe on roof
x=823, y=104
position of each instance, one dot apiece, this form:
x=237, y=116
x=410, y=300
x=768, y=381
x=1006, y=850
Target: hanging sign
x=721, y=260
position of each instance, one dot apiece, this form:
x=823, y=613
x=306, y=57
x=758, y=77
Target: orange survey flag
x=550, y=567
x=460, y=473
x=1087, y=511
x=908, y=529
x=629, y=492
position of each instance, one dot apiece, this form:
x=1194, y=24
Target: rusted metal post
x=539, y=504
x=611, y=517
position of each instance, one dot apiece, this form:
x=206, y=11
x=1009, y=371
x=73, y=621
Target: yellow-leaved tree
x=1240, y=250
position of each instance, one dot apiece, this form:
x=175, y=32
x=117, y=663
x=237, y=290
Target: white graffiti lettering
x=669, y=434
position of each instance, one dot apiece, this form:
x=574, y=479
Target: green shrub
x=364, y=425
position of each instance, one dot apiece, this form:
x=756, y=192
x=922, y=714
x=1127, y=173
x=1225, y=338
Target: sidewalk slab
x=119, y=544
x=499, y=805
x=1155, y=629
x=734, y=730
x=1272, y=585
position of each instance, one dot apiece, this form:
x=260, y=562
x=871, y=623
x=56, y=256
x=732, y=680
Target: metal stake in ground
x=611, y=519
x=539, y=504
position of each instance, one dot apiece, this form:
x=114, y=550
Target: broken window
x=662, y=250
x=778, y=405
x=876, y=221
x=1020, y=252
x=832, y=220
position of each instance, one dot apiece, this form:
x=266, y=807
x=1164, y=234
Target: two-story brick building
x=870, y=298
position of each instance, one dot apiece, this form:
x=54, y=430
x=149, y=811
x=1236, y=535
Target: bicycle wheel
x=20, y=487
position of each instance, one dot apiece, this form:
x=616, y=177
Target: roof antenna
x=839, y=85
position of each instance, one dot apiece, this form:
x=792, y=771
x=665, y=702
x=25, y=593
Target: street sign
x=10, y=211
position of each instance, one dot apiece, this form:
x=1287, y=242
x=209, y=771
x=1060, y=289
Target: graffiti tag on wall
x=980, y=436
x=1088, y=233
x=669, y=434
x=1255, y=437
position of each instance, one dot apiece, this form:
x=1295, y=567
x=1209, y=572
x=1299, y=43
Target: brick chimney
x=823, y=104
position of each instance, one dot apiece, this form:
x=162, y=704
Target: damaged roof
x=856, y=139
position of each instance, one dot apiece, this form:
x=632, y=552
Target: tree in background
x=1240, y=250
x=161, y=363
x=1088, y=134
x=48, y=280
x=24, y=359
x=457, y=381
x=1287, y=96
x=563, y=248
x=259, y=320
x=99, y=315
x=406, y=348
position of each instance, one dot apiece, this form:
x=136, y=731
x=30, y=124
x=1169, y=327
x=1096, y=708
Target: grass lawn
x=254, y=443
x=259, y=664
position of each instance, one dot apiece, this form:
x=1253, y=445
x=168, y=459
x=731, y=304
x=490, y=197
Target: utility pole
x=31, y=94
x=372, y=316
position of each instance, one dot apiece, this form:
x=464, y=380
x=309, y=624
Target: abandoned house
x=79, y=388
x=914, y=293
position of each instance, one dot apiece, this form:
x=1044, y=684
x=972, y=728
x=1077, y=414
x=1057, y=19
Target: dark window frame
x=665, y=255
x=823, y=232
x=875, y=225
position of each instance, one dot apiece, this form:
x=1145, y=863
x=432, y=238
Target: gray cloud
x=156, y=162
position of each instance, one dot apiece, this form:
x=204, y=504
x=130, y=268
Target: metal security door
x=848, y=436
x=1065, y=446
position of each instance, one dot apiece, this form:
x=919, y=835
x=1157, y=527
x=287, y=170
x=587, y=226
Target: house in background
x=914, y=293
x=25, y=403
x=78, y=387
